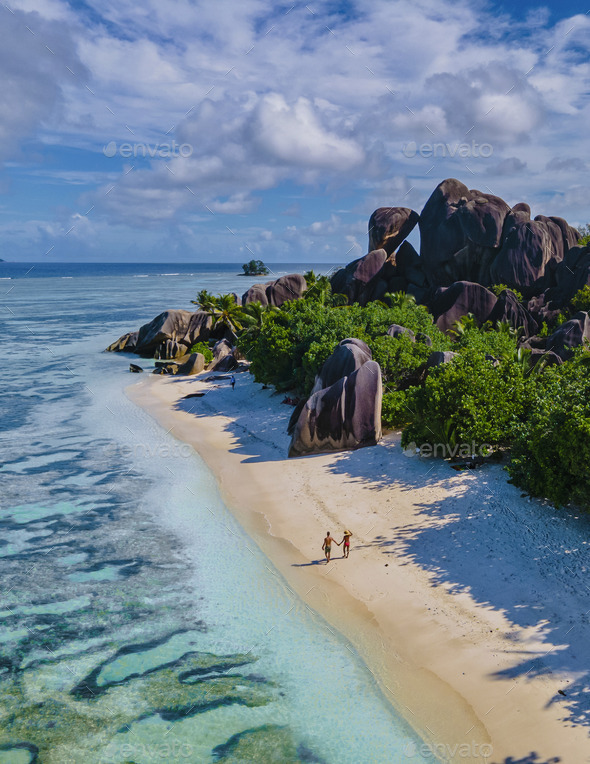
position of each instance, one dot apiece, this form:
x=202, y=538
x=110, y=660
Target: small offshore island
x=466, y=368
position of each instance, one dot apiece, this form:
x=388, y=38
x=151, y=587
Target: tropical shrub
x=202, y=347
x=550, y=456
x=581, y=300
x=471, y=404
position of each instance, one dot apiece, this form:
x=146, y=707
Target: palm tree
x=224, y=311
x=205, y=300
x=319, y=289
x=255, y=313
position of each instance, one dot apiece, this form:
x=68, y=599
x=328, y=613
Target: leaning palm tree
x=205, y=300
x=225, y=312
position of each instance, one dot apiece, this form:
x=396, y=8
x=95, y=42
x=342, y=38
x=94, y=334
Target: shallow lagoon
x=138, y=621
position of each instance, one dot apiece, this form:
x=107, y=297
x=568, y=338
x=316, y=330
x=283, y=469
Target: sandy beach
x=467, y=601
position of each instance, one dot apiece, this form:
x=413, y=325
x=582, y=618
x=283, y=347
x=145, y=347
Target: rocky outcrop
x=359, y=280
x=256, y=293
x=127, y=343
x=349, y=355
x=439, y=357
x=286, y=288
x=221, y=349
x=194, y=365
x=571, y=334
x=225, y=363
x=169, y=335
x=461, y=298
x=346, y=415
x=395, y=330
x=389, y=226
x=509, y=310
x=277, y=292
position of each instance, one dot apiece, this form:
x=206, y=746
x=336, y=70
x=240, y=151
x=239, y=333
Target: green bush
x=202, y=347
x=293, y=343
x=581, y=300
x=551, y=453
x=497, y=289
x=468, y=404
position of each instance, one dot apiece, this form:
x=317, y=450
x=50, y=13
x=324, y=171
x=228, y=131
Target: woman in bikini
x=346, y=542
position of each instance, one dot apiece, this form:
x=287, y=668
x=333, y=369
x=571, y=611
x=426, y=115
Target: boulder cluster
x=471, y=241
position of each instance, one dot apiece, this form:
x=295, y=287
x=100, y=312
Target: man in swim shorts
x=327, y=546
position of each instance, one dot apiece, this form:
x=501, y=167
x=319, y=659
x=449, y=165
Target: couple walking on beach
x=327, y=545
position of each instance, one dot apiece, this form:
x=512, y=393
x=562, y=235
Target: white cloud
x=322, y=99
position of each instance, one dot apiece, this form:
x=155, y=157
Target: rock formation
x=168, y=336
x=346, y=415
x=277, y=292
x=346, y=412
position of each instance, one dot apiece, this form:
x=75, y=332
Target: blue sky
x=223, y=130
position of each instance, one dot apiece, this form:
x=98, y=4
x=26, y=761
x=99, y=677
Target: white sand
x=469, y=602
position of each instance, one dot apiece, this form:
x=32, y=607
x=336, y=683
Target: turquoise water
x=138, y=622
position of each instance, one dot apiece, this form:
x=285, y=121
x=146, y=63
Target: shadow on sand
x=525, y=559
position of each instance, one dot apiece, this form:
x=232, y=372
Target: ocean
x=138, y=621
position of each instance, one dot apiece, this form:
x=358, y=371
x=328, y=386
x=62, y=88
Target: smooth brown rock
x=346, y=415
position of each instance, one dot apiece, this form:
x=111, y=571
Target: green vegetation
x=223, y=309
x=497, y=289
x=255, y=268
x=584, y=231
x=581, y=300
x=204, y=349
x=489, y=397
x=551, y=450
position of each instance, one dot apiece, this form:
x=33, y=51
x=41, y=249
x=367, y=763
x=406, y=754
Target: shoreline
x=445, y=649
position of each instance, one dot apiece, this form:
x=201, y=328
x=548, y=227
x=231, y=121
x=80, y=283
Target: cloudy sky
x=179, y=131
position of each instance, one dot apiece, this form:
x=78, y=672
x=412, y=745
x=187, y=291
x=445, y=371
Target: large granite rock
x=285, y=288
x=359, y=278
x=221, y=349
x=168, y=335
x=127, y=343
x=531, y=252
x=256, y=293
x=348, y=356
x=409, y=265
x=571, y=334
x=346, y=415
x=395, y=331
x=440, y=357
x=194, y=365
x=277, y=292
x=571, y=275
x=169, y=350
x=389, y=226
x=461, y=298
x=441, y=232
x=509, y=310
x=226, y=363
